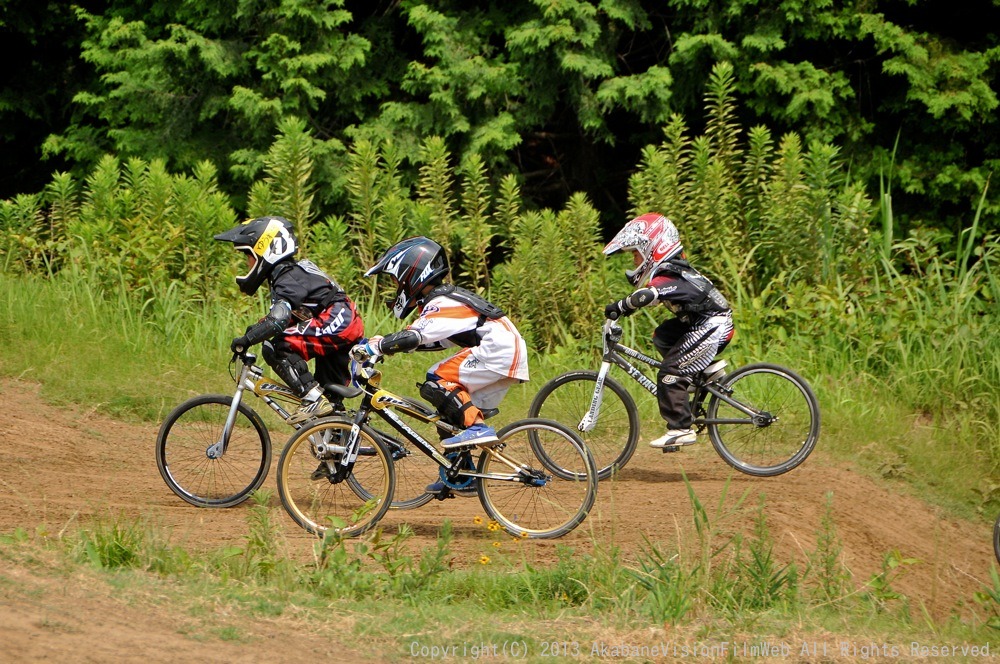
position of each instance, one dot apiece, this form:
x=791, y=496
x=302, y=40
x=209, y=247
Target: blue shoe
x=477, y=434
x=437, y=487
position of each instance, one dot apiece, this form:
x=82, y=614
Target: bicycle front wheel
x=319, y=494
x=615, y=432
x=783, y=429
x=996, y=539
x=522, y=494
x=195, y=463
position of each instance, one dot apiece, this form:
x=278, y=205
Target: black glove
x=239, y=344
x=616, y=309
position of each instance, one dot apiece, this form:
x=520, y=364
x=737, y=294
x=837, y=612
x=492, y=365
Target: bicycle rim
x=182, y=452
x=783, y=444
x=613, y=439
x=534, y=502
x=348, y=506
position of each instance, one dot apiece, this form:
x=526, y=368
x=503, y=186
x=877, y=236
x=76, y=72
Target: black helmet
x=414, y=263
x=269, y=240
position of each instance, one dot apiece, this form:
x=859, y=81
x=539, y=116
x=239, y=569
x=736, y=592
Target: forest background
x=828, y=164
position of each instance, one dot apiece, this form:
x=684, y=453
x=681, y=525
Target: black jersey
x=686, y=291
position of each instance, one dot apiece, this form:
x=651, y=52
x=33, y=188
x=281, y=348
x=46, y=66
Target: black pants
x=287, y=362
x=687, y=348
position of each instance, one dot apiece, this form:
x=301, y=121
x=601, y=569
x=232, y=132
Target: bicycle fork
x=589, y=420
x=217, y=449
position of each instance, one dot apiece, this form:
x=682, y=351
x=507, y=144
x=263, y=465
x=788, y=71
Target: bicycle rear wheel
x=615, y=434
x=188, y=440
x=319, y=495
x=783, y=430
x=522, y=494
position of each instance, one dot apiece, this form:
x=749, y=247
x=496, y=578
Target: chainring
x=464, y=486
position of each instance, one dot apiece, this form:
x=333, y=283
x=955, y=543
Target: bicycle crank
x=460, y=485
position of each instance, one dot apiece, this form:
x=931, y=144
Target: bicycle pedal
x=672, y=448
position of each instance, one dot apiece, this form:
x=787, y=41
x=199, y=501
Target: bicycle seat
x=715, y=370
x=342, y=391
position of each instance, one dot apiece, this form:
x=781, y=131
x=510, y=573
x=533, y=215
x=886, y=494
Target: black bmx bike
x=762, y=419
x=538, y=480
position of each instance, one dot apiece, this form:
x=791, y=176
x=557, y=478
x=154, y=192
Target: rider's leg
x=289, y=365
x=682, y=348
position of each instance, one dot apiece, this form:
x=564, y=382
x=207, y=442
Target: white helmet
x=655, y=238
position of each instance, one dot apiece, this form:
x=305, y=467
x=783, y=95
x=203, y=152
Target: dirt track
x=60, y=466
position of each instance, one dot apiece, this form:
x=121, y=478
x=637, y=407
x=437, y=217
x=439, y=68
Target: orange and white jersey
x=445, y=322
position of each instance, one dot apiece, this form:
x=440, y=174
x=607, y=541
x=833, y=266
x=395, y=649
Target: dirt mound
x=62, y=466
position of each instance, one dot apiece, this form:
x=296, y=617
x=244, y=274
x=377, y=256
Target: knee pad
x=290, y=368
x=452, y=404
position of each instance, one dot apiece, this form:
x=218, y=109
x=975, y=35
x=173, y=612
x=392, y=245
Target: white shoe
x=675, y=437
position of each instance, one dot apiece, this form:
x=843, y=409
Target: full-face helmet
x=414, y=264
x=656, y=240
x=268, y=240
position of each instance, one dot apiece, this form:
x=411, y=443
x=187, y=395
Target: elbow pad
x=281, y=313
x=640, y=298
x=399, y=342
x=270, y=325
x=262, y=330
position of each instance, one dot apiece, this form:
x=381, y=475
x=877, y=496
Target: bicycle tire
x=774, y=448
x=566, y=399
x=413, y=469
x=546, y=506
x=185, y=437
x=996, y=538
x=350, y=506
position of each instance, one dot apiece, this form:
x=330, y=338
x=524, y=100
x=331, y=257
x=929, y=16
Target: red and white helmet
x=655, y=238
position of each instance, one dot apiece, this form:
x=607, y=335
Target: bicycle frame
x=613, y=352
x=385, y=404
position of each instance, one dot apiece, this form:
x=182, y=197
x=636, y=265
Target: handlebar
x=612, y=333
x=242, y=355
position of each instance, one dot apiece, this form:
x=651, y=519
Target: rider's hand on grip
x=366, y=351
x=239, y=344
x=613, y=311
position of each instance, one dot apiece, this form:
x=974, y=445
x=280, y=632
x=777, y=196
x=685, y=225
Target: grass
x=393, y=604
x=87, y=349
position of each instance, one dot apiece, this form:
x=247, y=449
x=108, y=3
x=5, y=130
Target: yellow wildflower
x=477, y=520
x=484, y=560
